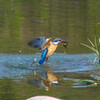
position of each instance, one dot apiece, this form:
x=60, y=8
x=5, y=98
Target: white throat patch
x=55, y=43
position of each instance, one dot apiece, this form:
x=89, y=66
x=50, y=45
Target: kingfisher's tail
x=43, y=57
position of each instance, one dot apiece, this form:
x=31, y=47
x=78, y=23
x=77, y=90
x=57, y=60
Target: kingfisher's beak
x=65, y=43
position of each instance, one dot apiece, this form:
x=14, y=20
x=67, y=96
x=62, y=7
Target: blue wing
x=37, y=42
x=43, y=56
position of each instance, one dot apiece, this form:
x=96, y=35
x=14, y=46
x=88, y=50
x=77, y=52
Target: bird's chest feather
x=51, y=49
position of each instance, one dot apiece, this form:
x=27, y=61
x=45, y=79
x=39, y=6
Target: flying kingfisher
x=47, y=46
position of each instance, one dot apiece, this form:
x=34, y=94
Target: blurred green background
x=23, y=20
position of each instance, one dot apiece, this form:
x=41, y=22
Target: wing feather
x=41, y=43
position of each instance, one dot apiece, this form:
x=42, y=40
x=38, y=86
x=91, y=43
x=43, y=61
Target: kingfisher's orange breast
x=51, y=49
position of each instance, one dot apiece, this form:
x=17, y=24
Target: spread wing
x=41, y=43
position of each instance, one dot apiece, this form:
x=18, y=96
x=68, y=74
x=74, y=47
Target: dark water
x=72, y=20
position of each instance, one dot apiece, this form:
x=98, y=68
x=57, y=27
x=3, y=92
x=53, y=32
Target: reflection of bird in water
x=40, y=83
x=47, y=46
x=50, y=79
x=47, y=79
x=50, y=76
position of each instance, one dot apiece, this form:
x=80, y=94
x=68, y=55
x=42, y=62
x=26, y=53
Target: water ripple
x=15, y=64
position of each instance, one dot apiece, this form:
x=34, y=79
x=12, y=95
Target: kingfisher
x=47, y=46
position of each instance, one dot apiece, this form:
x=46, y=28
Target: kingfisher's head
x=58, y=41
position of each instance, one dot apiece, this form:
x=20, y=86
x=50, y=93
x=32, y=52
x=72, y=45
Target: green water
x=23, y=20
x=20, y=90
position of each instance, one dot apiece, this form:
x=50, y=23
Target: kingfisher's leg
x=43, y=57
x=46, y=59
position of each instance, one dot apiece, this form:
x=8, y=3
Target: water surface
x=19, y=80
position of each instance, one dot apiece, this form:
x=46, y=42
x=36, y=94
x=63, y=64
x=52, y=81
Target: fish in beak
x=65, y=43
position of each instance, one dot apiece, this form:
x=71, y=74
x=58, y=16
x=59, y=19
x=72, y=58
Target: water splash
x=15, y=64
